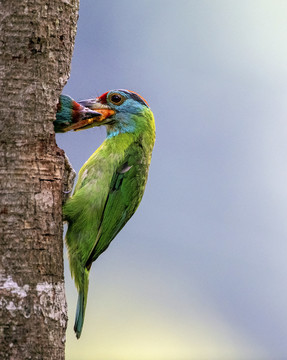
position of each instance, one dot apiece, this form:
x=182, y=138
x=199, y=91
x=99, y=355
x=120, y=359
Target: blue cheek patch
x=127, y=114
x=121, y=128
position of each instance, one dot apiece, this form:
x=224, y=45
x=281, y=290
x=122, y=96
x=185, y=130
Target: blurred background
x=200, y=271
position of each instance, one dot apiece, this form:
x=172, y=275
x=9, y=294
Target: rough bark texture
x=36, y=42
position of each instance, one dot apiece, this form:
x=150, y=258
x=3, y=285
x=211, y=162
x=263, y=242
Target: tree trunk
x=36, y=41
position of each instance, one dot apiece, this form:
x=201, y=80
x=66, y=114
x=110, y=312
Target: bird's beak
x=85, y=118
x=97, y=106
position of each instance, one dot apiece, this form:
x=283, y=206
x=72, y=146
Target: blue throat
x=120, y=128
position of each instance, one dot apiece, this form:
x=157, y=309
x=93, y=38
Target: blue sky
x=200, y=271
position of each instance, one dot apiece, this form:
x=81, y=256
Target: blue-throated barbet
x=111, y=183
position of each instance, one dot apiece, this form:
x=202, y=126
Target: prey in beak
x=76, y=116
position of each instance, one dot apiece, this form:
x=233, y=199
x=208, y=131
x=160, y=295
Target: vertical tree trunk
x=36, y=42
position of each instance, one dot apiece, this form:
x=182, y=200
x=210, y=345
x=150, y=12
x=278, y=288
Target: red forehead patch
x=103, y=98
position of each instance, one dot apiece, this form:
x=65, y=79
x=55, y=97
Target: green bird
x=110, y=184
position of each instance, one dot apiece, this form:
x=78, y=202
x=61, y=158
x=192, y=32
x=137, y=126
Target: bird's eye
x=117, y=99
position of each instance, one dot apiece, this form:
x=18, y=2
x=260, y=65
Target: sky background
x=200, y=271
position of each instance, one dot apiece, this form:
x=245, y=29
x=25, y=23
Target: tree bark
x=36, y=42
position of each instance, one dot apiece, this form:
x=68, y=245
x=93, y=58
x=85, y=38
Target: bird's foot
x=68, y=181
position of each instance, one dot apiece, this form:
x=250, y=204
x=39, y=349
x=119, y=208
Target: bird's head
x=120, y=110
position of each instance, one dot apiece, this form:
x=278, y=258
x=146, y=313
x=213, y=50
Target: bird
x=110, y=184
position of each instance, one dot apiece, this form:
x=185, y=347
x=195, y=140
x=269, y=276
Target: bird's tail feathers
x=81, y=305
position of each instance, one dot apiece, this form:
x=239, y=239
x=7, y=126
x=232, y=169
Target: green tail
x=81, y=305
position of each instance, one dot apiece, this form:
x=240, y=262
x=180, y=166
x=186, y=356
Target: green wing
x=125, y=193
x=104, y=200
